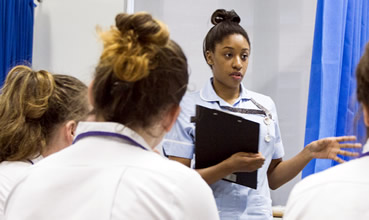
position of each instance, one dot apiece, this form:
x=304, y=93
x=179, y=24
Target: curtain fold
x=16, y=34
x=341, y=32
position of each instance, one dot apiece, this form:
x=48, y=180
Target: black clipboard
x=218, y=135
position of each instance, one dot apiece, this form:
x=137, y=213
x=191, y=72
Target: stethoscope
x=108, y=134
x=262, y=111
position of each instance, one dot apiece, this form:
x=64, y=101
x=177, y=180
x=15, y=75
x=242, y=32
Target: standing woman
x=227, y=50
x=39, y=113
x=111, y=171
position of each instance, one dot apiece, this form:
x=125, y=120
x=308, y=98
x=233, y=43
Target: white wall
x=281, y=35
x=65, y=38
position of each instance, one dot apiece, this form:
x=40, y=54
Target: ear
x=209, y=58
x=69, y=131
x=171, y=117
x=366, y=115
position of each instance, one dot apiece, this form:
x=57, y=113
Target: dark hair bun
x=221, y=15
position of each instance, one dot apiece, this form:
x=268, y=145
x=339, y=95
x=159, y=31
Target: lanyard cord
x=267, y=112
x=108, y=134
x=364, y=155
x=261, y=111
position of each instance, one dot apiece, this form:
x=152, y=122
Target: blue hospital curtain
x=341, y=32
x=16, y=34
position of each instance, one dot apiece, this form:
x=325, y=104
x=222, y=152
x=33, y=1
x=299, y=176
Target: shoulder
x=259, y=97
x=10, y=174
x=349, y=173
x=169, y=173
x=12, y=170
x=348, y=180
x=191, y=97
x=189, y=101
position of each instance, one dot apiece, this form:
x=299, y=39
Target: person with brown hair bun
x=341, y=192
x=39, y=113
x=111, y=171
x=226, y=50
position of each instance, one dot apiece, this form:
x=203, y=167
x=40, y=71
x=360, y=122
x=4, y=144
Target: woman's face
x=229, y=61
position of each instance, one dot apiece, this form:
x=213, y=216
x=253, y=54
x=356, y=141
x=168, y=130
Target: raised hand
x=329, y=148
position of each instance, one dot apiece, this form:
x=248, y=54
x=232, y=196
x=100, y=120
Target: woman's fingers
x=348, y=153
x=339, y=160
x=345, y=138
x=350, y=145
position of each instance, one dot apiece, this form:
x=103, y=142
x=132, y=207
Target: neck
x=152, y=136
x=228, y=94
x=56, y=142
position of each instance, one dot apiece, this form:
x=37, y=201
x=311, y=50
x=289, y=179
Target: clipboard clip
x=193, y=119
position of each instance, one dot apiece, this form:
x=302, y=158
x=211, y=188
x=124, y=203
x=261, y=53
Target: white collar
x=208, y=94
x=35, y=160
x=111, y=127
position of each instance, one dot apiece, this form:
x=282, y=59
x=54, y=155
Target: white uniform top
x=102, y=177
x=11, y=172
x=340, y=192
x=234, y=201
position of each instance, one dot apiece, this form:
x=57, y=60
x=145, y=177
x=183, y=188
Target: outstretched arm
x=280, y=172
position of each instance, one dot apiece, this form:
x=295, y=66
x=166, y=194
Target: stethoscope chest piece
x=267, y=120
x=267, y=138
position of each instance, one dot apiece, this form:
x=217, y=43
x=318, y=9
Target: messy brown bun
x=130, y=46
x=141, y=71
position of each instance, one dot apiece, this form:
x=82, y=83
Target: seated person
x=111, y=171
x=39, y=113
x=341, y=192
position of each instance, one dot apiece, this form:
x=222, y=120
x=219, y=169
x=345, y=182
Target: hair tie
x=218, y=19
x=121, y=86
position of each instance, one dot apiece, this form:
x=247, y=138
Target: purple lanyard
x=364, y=155
x=108, y=134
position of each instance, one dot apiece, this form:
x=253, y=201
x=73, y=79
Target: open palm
x=329, y=148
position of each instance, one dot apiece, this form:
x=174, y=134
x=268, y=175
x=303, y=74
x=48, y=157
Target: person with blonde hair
x=111, y=171
x=39, y=113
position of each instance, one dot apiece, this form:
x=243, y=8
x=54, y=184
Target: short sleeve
x=278, y=145
x=179, y=142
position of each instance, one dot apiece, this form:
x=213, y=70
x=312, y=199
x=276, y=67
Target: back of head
x=225, y=23
x=362, y=77
x=141, y=71
x=32, y=104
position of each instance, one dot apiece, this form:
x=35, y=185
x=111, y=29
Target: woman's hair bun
x=144, y=26
x=130, y=46
x=222, y=15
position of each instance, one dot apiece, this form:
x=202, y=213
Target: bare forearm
x=238, y=162
x=287, y=170
x=209, y=174
x=216, y=172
